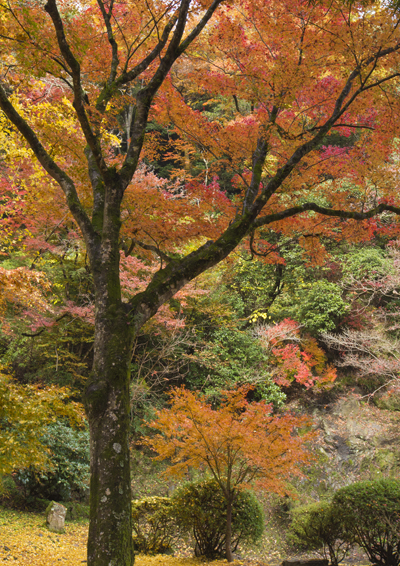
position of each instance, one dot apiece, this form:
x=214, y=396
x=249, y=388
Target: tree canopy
x=293, y=104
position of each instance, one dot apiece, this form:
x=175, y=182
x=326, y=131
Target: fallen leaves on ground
x=25, y=540
x=163, y=560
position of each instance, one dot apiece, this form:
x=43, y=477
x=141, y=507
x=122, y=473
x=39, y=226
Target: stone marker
x=55, y=517
x=309, y=562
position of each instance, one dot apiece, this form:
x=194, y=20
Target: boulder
x=55, y=517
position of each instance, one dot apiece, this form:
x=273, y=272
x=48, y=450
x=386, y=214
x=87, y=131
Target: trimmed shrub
x=154, y=526
x=200, y=509
x=370, y=513
x=318, y=527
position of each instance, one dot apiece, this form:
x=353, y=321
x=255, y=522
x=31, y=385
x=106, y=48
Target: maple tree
x=24, y=412
x=306, y=365
x=79, y=86
x=142, y=42
x=238, y=443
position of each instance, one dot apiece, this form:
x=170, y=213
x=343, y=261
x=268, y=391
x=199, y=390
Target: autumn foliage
x=259, y=66
x=295, y=102
x=295, y=358
x=238, y=443
x=24, y=412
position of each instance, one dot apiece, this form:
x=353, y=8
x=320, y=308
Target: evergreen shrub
x=370, y=514
x=318, y=526
x=68, y=477
x=321, y=307
x=200, y=509
x=154, y=525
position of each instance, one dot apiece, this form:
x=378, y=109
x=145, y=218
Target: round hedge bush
x=370, y=514
x=200, y=508
x=318, y=526
x=154, y=526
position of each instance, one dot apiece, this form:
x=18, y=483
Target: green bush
x=77, y=511
x=200, y=509
x=69, y=476
x=229, y=356
x=364, y=262
x=318, y=526
x=370, y=512
x=154, y=525
x=321, y=307
x=318, y=305
x=10, y=495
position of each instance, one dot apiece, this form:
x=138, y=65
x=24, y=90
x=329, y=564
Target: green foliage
x=52, y=344
x=10, y=495
x=317, y=306
x=60, y=355
x=364, y=262
x=272, y=292
x=253, y=286
x=387, y=402
x=68, y=476
x=370, y=513
x=76, y=511
x=228, y=357
x=200, y=508
x=154, y=525
x=318, y=526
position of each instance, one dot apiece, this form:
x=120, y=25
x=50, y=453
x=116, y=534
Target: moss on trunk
x=108, y=408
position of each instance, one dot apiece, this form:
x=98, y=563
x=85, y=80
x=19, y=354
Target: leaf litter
x=25, y=540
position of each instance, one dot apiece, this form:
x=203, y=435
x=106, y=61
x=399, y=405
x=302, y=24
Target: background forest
x=302, y=316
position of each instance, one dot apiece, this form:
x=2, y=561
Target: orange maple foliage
x=277, y=69
x=23, y=287
x=238, y=443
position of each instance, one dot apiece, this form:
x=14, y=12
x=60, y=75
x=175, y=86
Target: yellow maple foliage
x=24, y=411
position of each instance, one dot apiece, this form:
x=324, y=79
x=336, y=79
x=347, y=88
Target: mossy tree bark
x=107, y=397
x=107, y=406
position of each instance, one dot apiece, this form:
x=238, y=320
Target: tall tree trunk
x=108, y=408
x=228, y=536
